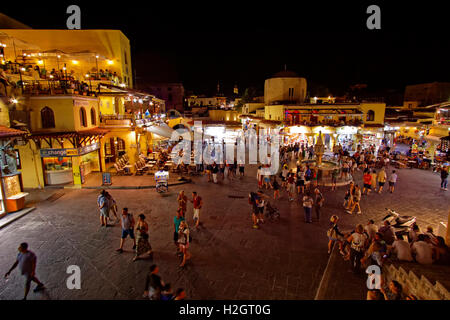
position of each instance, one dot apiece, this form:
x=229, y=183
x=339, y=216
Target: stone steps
x=427, y=282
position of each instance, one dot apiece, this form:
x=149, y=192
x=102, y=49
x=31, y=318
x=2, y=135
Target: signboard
x=69, y=152
x=58, y=152
x=106, y=179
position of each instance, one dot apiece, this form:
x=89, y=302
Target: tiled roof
x=6, y=132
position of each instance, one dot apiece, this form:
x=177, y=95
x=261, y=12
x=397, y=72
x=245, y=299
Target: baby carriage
x=272, y=213
x=162, y=181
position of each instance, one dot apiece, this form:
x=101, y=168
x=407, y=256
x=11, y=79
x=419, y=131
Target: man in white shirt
x=422, y=250
x=402, y=249
x=371, y=229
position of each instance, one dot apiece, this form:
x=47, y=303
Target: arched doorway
x=114, y=149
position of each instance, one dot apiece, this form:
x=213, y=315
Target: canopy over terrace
x=162, y=130
x=76, y=138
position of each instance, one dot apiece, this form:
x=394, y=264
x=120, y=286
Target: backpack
x=331, y=233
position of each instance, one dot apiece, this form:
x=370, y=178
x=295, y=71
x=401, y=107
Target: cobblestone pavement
x=230, y=260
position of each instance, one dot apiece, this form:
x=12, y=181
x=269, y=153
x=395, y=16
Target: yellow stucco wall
x=274, y=112
x=223, y=115
x=4, y=114
x=378, y=108
x=66, y=110
x=32, y=173
x=108, y=105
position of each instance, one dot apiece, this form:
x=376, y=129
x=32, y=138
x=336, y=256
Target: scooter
x=401, y=224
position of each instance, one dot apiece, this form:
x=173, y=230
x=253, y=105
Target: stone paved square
x=230, y=260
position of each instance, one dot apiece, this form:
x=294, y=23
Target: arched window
x=83, y=120
x=370, y=115
x=47, y=118
x=93, y=117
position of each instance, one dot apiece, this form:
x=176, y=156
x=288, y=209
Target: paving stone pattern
x=230, y=260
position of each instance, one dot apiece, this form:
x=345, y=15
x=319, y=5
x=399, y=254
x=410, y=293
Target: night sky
x=245, y=42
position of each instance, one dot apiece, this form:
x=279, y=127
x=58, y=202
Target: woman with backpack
x=334, y=235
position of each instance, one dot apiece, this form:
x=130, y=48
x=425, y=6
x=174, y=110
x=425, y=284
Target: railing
x=119, y=120
x=40, y=87
x=43, y=74
x=325, y=123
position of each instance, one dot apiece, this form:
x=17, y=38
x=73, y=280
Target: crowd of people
x=139, y=233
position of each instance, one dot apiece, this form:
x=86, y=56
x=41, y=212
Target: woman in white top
x=358, y=242
x=183, y=241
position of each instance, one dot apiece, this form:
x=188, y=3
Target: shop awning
x=76, y=138
x=162, y=130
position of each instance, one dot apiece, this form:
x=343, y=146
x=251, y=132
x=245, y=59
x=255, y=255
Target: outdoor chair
x=119, y=171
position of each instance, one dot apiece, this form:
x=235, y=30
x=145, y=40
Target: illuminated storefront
x=346, y=137
x=12, y=197
x=58, y=163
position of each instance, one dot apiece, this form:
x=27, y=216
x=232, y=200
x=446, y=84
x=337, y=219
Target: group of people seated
x=370, y=245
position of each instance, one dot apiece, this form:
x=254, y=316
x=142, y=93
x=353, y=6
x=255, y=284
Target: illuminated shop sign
x=45, y=153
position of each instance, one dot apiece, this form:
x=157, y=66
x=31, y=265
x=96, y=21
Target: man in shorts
x=127, y=229
x=291, y=185
x=197, y=203
x=367, y=178
x=26, y=260
x=381, y=179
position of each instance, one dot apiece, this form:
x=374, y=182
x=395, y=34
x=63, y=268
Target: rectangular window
x=57, y=163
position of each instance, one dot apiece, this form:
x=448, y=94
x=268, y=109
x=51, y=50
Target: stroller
x=272, y=213
x=162, y=181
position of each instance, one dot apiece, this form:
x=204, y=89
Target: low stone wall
x=417, y=285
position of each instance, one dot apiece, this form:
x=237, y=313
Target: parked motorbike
x=401, y=224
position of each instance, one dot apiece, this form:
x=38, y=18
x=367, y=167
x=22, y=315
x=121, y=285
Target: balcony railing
x=331, y=123
x=40, y=87
x=119, y=120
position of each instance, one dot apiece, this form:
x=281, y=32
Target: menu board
x=12, y=185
